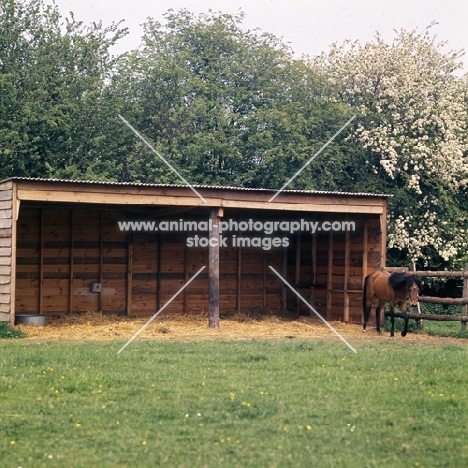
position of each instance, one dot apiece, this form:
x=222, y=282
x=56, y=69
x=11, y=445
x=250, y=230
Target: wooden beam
x=329, y=274
x=313, y=273
x=213, y=260
x=158, y=273
x=383, y=241
x=365, y=249
x=211, y=193
x=264, y=295
x=346, y=276
x=15, y=204
x=284, y=274
x=129, y=273
x=337, y=204
x=186, y=278
x=70, y=283
x=101, y=258
x=41, y=261
x=239, y=276
x=297, y=273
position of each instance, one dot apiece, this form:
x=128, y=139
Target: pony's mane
x=399, y=280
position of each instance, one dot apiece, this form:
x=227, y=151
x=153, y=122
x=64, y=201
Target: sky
x=308, y=26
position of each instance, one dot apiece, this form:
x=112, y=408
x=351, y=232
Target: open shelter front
x=125, y=248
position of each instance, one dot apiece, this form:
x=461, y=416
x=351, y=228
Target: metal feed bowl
x=30, y=319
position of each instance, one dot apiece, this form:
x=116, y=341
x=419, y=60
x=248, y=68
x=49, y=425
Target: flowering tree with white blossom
x=412, y=127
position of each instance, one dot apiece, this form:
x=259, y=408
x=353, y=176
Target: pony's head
x=412, y=284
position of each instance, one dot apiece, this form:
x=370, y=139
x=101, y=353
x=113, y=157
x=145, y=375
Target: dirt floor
x=253, y=326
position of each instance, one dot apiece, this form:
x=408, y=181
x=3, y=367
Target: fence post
x=418, y=307
x=465, y=295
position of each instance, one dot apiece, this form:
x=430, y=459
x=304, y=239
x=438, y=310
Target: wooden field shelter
x=62, y=249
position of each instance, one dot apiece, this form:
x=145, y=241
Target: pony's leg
x=377, y=316
x=392, y=318
x=405, y=329
x=367, y=311
x=366, y=304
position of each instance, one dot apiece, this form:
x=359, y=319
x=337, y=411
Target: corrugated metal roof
x=217, y=187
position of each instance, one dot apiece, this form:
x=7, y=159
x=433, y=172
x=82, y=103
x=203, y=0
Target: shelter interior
x=68, y=252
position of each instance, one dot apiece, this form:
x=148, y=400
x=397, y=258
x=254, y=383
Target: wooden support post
x=329, y=274
x=101, y=259
x=365, y=250
x=346, y=276
x=264, y=298
x=129, y=273
x=213, y=260
x=158, y=274
x=15, y=204
x=465, y=296
x=297, y=273
x=313, y=273
x=284, y=274
x=186, y=278
x=239, y=275
x=419, y=323
x=41, y=261
x=383, y=241
x=70, y=282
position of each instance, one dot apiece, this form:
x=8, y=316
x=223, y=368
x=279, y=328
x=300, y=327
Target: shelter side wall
x=61, y=251
x=6, y=249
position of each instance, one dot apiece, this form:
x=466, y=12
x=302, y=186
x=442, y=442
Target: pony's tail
x=365, y=309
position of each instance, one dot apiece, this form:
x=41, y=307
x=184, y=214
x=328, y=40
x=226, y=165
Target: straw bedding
x=253, y=325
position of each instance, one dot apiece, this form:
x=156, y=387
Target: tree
x=227, y=106
x=55, y=116
x=412, y=126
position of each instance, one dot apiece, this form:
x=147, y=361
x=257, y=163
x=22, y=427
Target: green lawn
x=233, y=404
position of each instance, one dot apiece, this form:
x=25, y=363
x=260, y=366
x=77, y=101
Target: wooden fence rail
x=444, y=300
x=440, y=318
x=430, y=274
x=463, y=301
x=439, y=274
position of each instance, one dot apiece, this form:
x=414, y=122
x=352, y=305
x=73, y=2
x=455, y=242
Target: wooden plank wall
x=332, y=268
x=246, y=282
x=6, y=231
x=63, y=249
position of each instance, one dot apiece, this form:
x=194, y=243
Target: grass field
x=256, y=404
